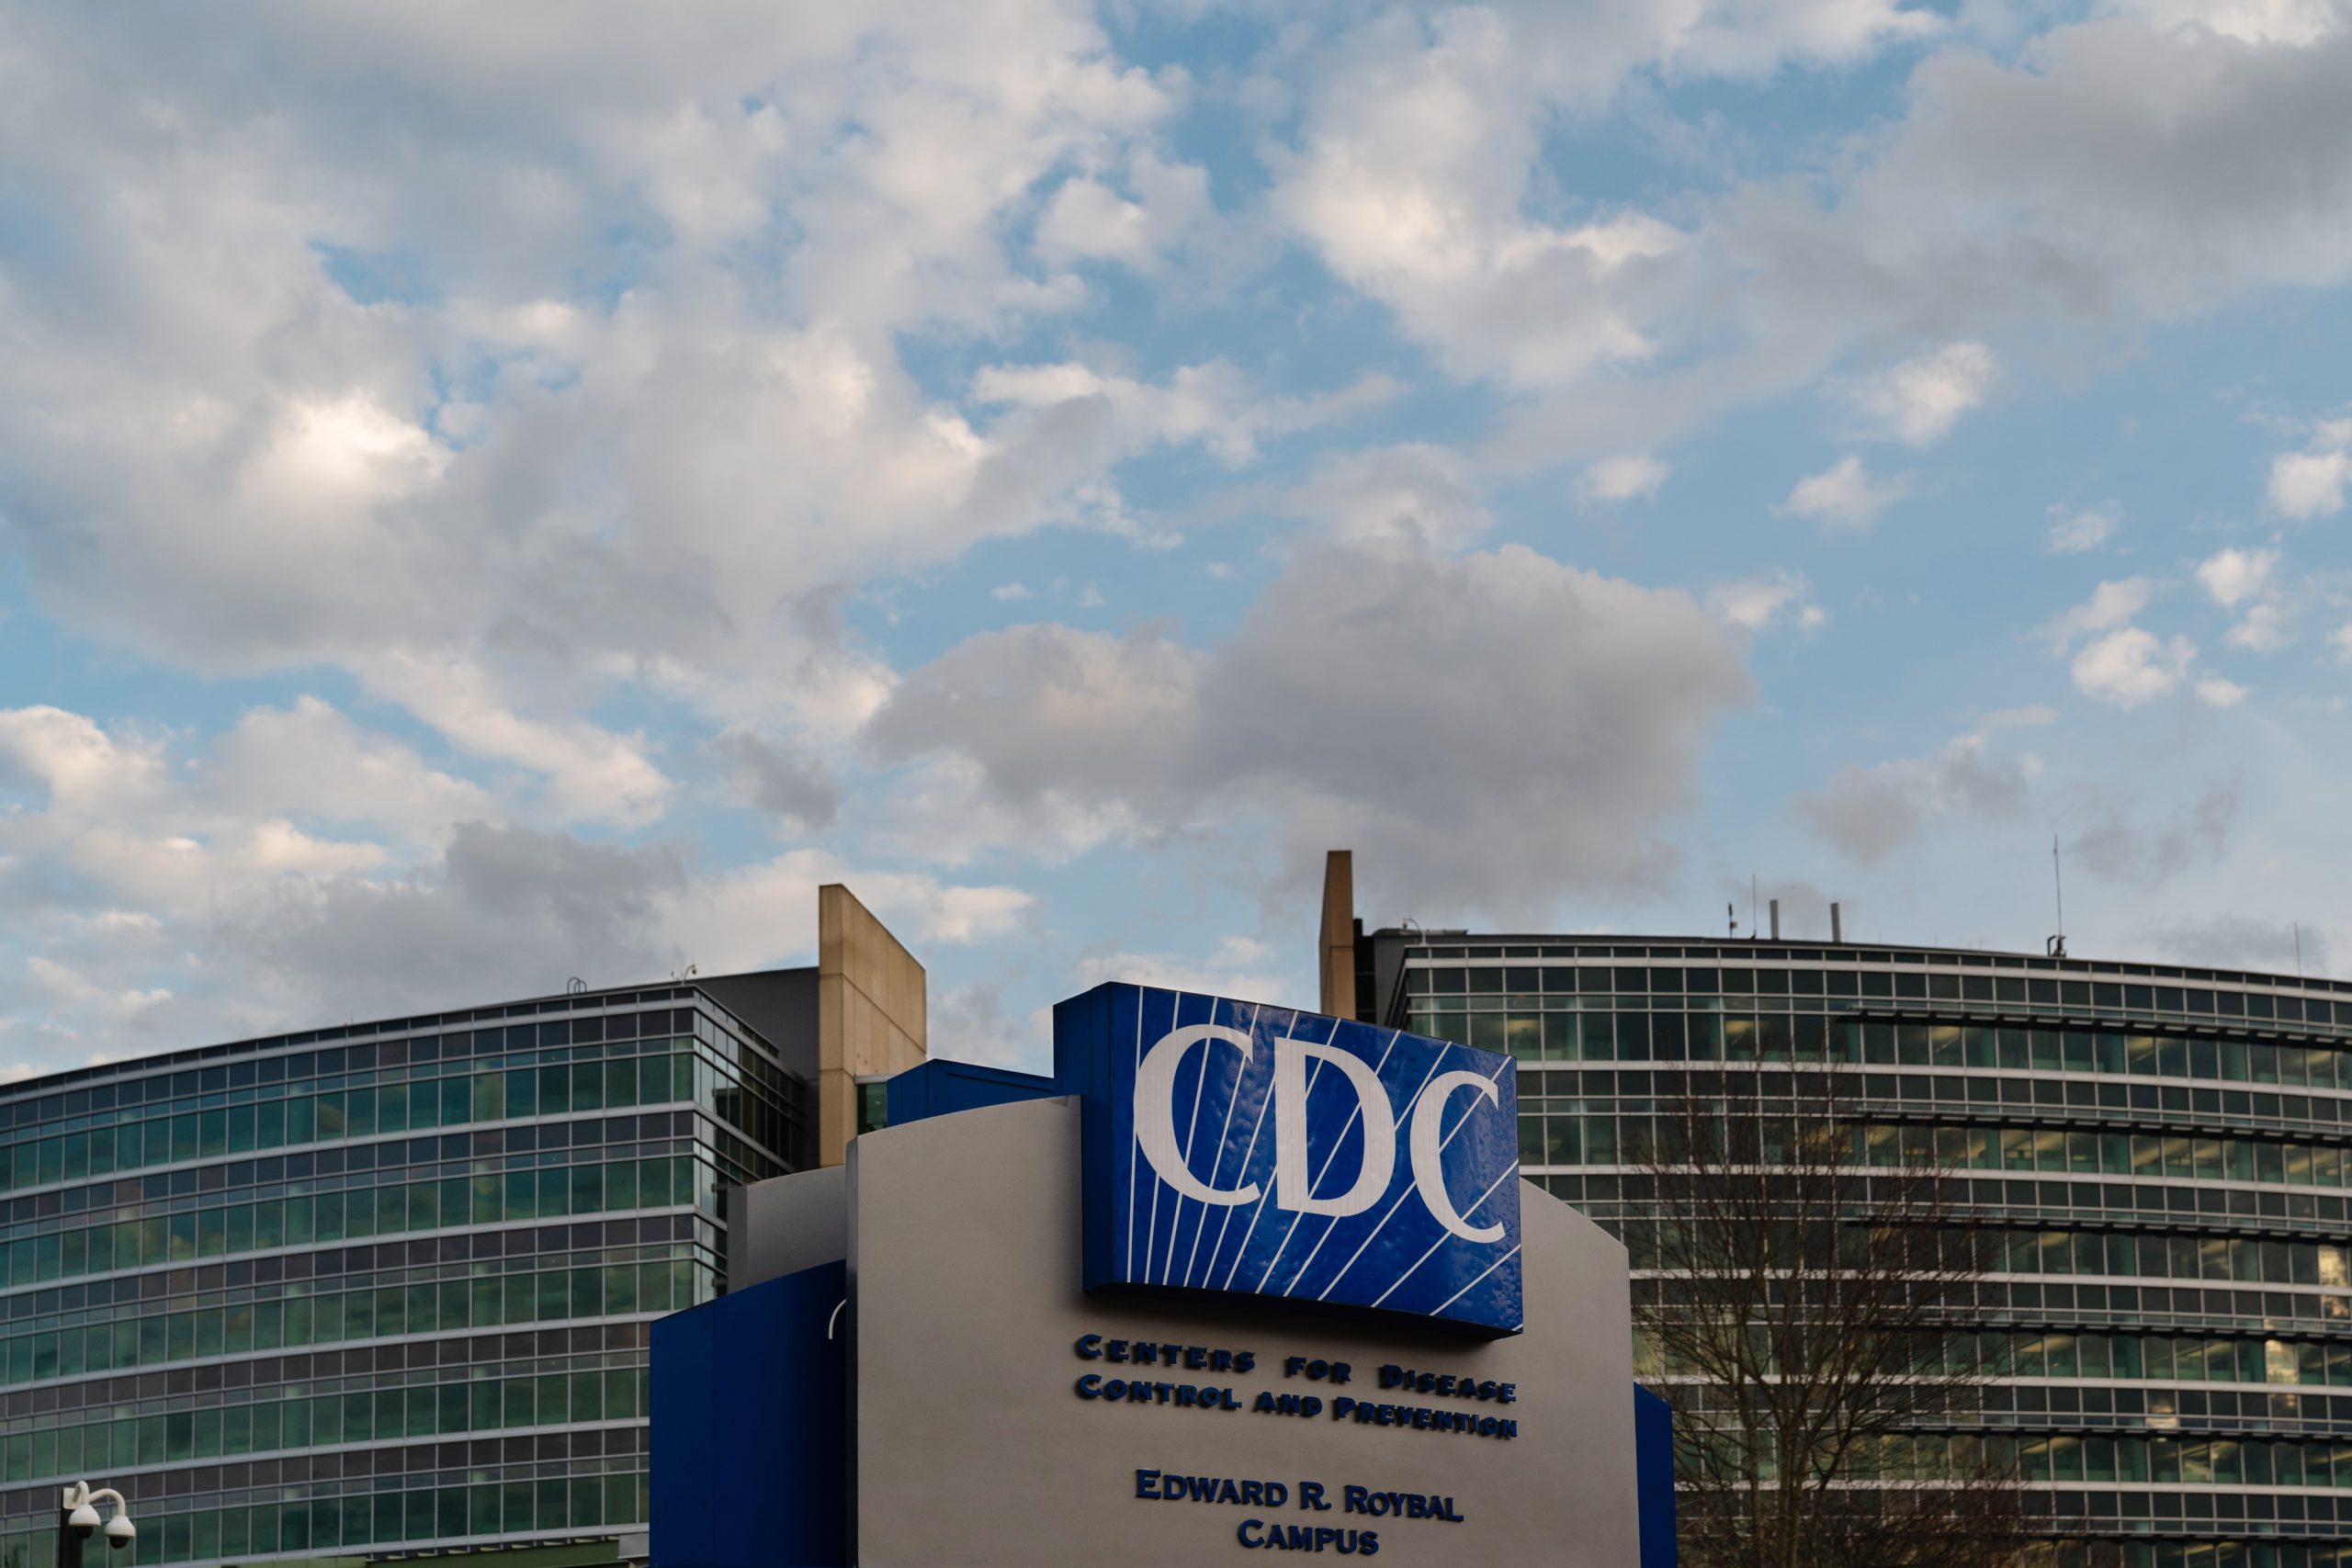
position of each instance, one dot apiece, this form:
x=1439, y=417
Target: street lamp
x=79, y=1516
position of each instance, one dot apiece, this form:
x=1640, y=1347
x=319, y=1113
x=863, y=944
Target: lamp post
x=77, y=1517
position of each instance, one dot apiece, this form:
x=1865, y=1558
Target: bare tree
x=1795, y=1295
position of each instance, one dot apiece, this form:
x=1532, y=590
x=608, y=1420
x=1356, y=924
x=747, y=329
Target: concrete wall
x=871, y=1012
x=972, y=1444
x=786, y=1224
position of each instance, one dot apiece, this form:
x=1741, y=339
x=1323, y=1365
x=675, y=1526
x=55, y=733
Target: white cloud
x=1844, y=496
x=2110, y=605
x=1413, y=494
x=159, y=891
x=1755, y=604
x=1240, y=966
x=765, y=914
x=2311, y=483
x=2235, y=575
x=1623, y=478
x=593, y=775
x=2075, y=531
x=598, y=384
x=1087, y=219
x=1920, y=399
x=1410, y=182
x=2266, y=628
x=123, y=809
x=271, y=928
x=122, y=820
x=1416, y=171
x=2129, y=667
x=2081, y=178
x=81, y=771
x=311, y=760
x=2220, y=693
x=2340, y=639
x=947, y=811
x=2249, y=577
x=946, y=913
x=2295, y=23
x=1211, y=404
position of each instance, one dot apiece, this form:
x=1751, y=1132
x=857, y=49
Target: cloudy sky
x=490, y=495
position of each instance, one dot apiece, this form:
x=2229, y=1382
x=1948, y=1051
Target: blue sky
x=487, y=499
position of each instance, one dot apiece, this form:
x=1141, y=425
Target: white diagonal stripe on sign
x=1191, y=1131
x=1475, y=1283
x=1224, y=1136
x=1441, y=1235
x=1401, y=1196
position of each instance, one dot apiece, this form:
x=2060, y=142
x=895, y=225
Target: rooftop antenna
x=1751, y=905
x=2299, y=950
x=1731, y=914
x=2056, y=946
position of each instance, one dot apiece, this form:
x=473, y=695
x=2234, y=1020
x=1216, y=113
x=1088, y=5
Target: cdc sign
x=1251, y=1150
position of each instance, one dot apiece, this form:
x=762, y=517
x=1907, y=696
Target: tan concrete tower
x=1336, y=950
x=871, y=1012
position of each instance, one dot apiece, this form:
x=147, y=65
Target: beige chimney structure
x=871, y=1013
x=1337, y=948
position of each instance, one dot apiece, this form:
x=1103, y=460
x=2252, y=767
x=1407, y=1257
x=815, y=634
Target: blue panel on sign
x=1250, y=1149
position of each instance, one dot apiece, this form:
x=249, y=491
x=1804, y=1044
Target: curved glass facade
x=375, y=1287
x=2165, y=1154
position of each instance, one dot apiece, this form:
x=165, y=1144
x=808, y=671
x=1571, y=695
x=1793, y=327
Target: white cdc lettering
x=1155, y=1113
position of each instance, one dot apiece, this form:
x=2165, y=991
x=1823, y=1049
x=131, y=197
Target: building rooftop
x=1530, y=944
x=731, y=993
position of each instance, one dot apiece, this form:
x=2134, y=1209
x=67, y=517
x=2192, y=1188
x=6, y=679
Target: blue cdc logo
x=1251, y=1150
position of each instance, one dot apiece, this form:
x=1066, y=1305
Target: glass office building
x=381, y=1288
x=2163, y=1151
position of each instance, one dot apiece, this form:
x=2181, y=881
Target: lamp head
x=83, y=1521
x=120, y=1532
